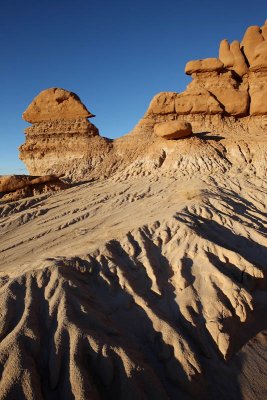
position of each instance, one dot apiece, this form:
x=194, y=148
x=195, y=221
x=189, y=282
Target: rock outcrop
x=16, y=187
x=226, y=94
x=61, y=139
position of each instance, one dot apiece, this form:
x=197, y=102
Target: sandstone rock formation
x=173, y=129
x=16, y=187
x=240, y=66
x=226, y=94
x=225, y=54
x=251, y=40
x=61, y=139
x=10, y=183
x=55, y=104
x=206, y=65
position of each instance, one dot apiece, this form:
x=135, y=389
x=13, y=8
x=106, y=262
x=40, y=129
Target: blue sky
x=116, y=55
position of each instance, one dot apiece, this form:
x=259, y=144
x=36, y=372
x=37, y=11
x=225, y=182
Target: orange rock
x=260, y=57
x=55, y=104
x=206, y=65
x=264, y=30
x=173, y=129
x=162, y=103
x=240, y=65
x=251, y=39
x=197, y=102
x=225, y=54
x=235, y=102
x=258, y=93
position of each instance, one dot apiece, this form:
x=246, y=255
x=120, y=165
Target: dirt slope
x=148, y=285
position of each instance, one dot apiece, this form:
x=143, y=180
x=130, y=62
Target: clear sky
x=115, y=54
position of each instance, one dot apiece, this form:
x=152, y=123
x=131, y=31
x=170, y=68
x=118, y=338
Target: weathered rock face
x=61, y=139
x=258, y=93
x=232, y=97
x=226, y=93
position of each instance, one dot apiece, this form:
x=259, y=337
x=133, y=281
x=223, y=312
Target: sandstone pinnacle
x=239, y=66
x=251, y=39
x=225, y=55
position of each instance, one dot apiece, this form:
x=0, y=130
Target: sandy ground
x=148, y=285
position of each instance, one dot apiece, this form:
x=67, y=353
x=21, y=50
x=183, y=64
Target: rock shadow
x=205, y=136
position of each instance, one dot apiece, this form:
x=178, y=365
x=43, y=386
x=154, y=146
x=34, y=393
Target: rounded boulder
x=173, y=129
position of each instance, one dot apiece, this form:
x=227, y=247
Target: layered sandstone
x=61, y=139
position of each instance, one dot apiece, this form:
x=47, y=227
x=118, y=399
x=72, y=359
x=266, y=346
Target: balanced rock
x=173, y=129
x=225, y=94
x=55, y=104
x=205, y=65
